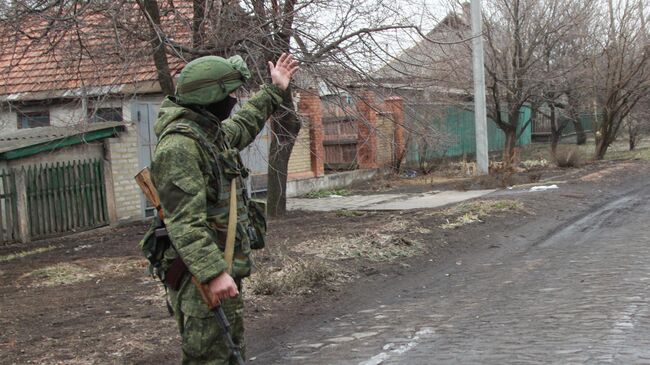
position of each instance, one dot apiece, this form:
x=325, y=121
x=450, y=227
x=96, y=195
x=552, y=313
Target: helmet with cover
x=207, y=80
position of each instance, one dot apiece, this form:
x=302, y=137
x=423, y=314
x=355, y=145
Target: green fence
x=458, y=125
x=65, y=197
x=587, y=122
x=8, y=207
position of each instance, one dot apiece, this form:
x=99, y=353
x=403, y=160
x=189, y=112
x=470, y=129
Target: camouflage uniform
x=195, y=193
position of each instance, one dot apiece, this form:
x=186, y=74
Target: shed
x=55, y=180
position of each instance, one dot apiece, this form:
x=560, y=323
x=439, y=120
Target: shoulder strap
x=187, y=130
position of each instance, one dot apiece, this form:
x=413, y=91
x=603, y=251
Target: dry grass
x=475, y=211
x=66, y=273
x=26, y=253
x=373, y=246
x=59, y=274
x=296, y=276
x=568, y=156
x=538, y=163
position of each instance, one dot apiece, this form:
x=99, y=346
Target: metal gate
x=8, y=207
x=65, y=197
x=340, y=143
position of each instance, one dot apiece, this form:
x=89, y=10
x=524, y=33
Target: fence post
x=21, y=203
x=110, y=192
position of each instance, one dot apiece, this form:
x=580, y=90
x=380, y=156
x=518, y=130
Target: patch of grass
x=296, y=276
x=371, y=246
x=467, y=218
x=349, y=213
x=21, y=254
x=476, y=211
x=59, y=274
x=82, y=270
x=637, y=154
x=326, y=193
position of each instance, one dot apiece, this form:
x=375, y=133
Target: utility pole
x=480, y=114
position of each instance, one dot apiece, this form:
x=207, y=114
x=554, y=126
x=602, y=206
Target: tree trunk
x=581, y=135
x=285, y=130
x=602, y=141
x=633, y=134
x=152, y=12
x=556, y=132
x=509, y=147
x=601, y=149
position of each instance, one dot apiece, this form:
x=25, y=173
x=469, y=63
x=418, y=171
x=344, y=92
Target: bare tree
x=523, y=37
x=621, y=67
x=169, y=33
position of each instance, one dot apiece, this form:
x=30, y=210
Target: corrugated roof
x=23, y=138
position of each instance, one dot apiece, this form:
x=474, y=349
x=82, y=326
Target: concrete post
x=21, y=203
x=310, y=106
x=480, y=113
x=367, y=129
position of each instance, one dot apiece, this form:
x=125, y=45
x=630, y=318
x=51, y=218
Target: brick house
x=48, y=90
x=46, y=86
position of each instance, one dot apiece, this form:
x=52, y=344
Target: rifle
x=143, y=178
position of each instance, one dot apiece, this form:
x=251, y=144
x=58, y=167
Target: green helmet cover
x=207, y=80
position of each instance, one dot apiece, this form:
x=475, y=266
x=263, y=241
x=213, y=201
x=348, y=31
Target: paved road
x=374, y=202
x=578, y=295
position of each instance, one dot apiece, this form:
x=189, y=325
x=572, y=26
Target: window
x=33, y=119
x=105, y=115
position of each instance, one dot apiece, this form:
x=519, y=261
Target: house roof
x=31, y=141
x=442, y=66
x=93, y=53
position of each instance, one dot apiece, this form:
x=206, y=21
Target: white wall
x=68, y=113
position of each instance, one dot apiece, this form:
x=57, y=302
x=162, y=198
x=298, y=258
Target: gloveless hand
x=223, y=287
x=283, y=70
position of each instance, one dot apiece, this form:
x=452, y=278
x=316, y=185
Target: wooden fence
x=65, y=197
x=8, y=207
x=340, y=143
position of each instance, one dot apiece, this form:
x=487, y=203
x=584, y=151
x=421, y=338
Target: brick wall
x=367, y=139
x=122, y=157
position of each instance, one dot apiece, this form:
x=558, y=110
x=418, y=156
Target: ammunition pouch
x=257, y=226
x=153, y=245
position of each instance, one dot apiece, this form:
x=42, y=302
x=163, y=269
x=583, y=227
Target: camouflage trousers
x=202, y=340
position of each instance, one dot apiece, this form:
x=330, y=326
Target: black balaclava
x=222, y=109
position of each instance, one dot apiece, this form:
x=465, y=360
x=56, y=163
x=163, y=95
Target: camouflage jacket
x=194, y=189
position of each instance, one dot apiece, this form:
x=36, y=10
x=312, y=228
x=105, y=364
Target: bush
x=568, y=157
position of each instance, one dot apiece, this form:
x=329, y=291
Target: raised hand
x=283, y=70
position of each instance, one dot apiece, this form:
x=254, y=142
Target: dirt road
x=573, y=293
x=504, y=288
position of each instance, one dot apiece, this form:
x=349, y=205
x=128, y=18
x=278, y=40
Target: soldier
x=195, y=162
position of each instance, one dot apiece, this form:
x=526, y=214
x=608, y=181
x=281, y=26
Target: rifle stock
x=143, y=178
